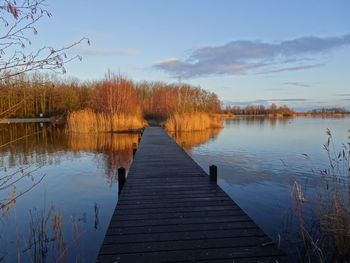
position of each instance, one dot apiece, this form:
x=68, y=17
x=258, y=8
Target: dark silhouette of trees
x=273, y=109
x=333, y=110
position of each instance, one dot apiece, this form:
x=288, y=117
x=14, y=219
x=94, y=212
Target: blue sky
x=248, y=52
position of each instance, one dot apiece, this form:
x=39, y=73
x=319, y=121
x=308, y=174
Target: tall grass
x=88, y=121
x=195, y=121
x=327, y=237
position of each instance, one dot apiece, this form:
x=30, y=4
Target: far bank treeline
x=115, y=103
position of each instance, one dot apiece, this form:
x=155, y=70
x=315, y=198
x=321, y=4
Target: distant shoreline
x=297, y=114
x=220, y=115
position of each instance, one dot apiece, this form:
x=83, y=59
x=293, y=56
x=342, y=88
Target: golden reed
x=195, y=121
x=88, y=121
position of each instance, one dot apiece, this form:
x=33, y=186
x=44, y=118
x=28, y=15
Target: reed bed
x=195, y=121
x=88, y=121
x=327, y=237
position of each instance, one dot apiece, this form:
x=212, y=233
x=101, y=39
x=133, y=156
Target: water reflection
x=258, y=121
x=259, y=159
x=45, y=167
x=192, y=139
x=117, y=148
x=32, y=144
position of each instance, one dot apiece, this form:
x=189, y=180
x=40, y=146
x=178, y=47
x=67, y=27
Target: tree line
x=31, y=95
x=333, y=110
x=273, y=109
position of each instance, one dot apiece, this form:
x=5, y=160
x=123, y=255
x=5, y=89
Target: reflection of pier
x=170, y=211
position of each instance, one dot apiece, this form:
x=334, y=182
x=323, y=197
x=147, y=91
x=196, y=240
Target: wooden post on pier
x=169, y=210
x=121, y=178
x=134, y=149
x=213, y=173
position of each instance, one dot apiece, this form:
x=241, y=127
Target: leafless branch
x=18, y=19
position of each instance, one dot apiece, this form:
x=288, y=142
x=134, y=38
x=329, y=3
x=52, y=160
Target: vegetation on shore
x=326, y=238
x=272, y=110
x=334, y=110
x=195, y=121
x=88, y=121
x=115, y=103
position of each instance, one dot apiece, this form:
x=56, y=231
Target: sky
x=293, y=52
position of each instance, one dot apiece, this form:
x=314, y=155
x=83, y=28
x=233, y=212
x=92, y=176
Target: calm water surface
x=259, y=159
x=69, y=192
x=67, y=185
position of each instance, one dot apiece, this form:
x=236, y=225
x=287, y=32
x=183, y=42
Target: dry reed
x=88, y=121
x=195, y=121
x=327, y=237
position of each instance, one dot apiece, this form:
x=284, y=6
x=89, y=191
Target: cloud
x=245, y=56
x=115, y=52
x=296, y=83
x=286, y=100
x=292, y=68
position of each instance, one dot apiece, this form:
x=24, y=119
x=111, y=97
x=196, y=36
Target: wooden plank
x=176, y=204
x=228, y=212
x=173, y=245
x=169, y=211
x=172, y=209
x=170, y=196
x=180, y=228
x=179, y=221
x=186, y=235
x=195, y=255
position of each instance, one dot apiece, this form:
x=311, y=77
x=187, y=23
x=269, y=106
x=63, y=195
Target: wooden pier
x=170, y=211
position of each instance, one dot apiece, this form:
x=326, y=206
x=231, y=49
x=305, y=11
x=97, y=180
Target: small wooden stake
x=134, y=149
x=213, y=173
x=121, y=179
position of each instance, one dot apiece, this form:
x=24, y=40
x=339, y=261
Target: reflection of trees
x=190, y=139
x=21, y=159
x=37, y=145
x=258, y=120
x=116, y=147
x=47, y=146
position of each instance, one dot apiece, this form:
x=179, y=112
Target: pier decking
x=169, y=211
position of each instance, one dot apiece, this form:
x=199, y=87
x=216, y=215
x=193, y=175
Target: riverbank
x=26, y=120
x=155, y=122
x=299, y=114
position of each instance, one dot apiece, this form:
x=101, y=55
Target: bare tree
x=17, y=22
x=18, y=19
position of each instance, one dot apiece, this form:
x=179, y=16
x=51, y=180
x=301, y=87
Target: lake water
x=66, y=186
x=259, y=160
